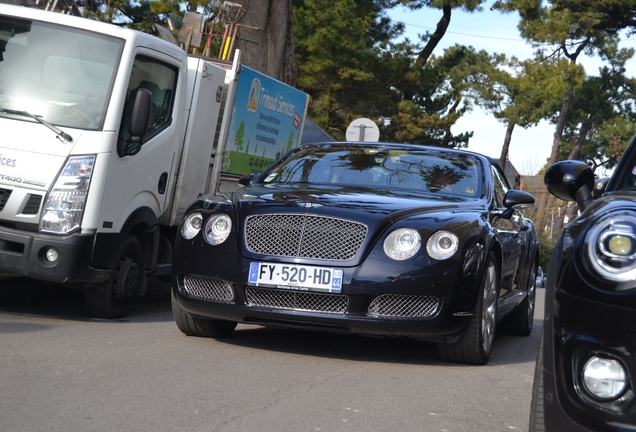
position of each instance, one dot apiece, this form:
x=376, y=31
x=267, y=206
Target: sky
x=493, y=32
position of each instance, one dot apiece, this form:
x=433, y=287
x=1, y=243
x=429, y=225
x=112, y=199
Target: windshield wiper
x=63, y=136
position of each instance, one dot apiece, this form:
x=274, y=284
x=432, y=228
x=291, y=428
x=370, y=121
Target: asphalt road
x=61, y=371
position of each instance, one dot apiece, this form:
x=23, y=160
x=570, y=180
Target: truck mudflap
x=59, y=259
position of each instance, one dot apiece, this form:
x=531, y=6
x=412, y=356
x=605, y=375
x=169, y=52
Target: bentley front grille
x=297, y=300
x=207, y=288
x=403, y=306
x=304, y=236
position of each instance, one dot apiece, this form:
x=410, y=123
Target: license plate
x=296, y=277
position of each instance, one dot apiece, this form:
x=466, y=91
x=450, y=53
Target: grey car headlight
x=217, y=229
x=402, y=244
x=191, y=225
x=611, y=247
x=442, y=245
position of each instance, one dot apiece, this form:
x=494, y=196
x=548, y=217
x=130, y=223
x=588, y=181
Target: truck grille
x=33, y=205
x=304, y=236
x=207, y=288
x=403, y=306
x=299, y=301
x=4, y=197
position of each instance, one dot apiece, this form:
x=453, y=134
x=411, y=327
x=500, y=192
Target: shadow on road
x=507, y=350
x=21, y=296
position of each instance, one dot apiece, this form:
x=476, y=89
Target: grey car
x=540, y=278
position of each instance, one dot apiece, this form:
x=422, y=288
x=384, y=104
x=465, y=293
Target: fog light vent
x=207, y=288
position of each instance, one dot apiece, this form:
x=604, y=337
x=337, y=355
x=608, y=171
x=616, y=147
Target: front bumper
x=577, y=329
x=371, y=301
x=23, y=254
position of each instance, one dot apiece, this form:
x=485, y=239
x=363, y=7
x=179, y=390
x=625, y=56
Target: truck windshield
x=59, y=74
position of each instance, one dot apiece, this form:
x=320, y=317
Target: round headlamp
x=611, y=247
x=217, y=229
x=442, y=245
x=191, y=225
x=402, y=244
x=604, y=378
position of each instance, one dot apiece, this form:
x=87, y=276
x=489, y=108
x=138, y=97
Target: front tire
x=537, y=409
x=112, y=298
x=475, y=344
x=200, y=327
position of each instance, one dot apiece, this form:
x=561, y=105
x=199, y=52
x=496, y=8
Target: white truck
x=108, y=134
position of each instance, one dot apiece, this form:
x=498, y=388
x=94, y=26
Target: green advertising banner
x=267, y=119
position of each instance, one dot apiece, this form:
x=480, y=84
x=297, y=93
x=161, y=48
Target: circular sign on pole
x=363, y=129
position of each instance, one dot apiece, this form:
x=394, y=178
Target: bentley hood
x=358, y=203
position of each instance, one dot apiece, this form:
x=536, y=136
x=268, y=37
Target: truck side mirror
x=141, y=113
x=571, y=181
x=139, y=122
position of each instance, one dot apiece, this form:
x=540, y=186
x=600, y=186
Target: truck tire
x=112, y=298
x=200, y=327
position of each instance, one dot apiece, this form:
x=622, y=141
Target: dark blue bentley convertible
x=377, y=239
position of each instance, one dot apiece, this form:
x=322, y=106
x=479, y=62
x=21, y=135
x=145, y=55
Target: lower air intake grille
x=403, y=306
x=295, y=300
x=4, y=197
x=33, y=205
x=209, y=289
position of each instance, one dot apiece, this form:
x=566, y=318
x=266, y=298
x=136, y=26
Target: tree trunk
x=547, y=200
x=585, y=129
x=265, y=37
x=506, y=146
x=440, y=31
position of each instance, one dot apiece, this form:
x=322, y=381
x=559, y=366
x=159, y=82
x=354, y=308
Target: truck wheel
x=200, y=327
x=112, y=298
x=475, y=344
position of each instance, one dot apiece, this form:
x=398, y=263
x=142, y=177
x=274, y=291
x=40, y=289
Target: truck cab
x=97, y=122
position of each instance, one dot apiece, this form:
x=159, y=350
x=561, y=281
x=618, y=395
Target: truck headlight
x=64, y=205
x=402, y=244
x=217, y=229
x=611, y=247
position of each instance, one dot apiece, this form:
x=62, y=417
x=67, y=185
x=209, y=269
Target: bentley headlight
x=217, y=229
x=64, y=206
x=191, y=225
x=611, y=247
x=442, y=245
x=402, y=244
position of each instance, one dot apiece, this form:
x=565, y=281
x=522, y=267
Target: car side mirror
x=571, y=181
x=599, y=187
x=247, y=179
x=516, y=199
